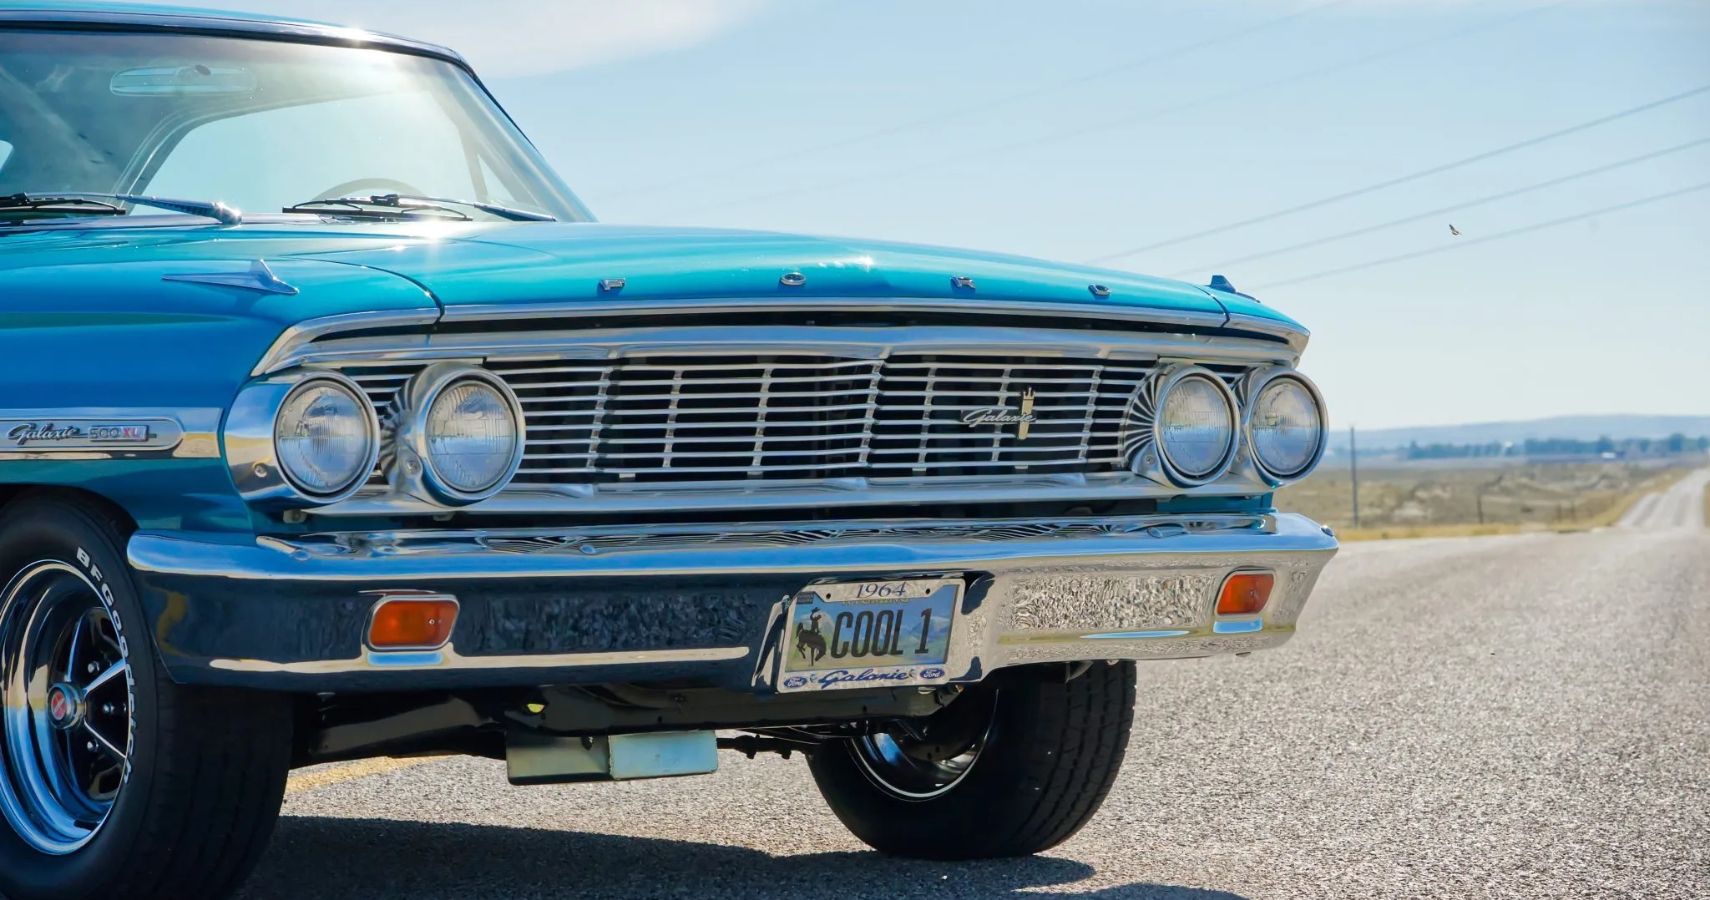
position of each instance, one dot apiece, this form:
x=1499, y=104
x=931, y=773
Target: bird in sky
x=1454, y=231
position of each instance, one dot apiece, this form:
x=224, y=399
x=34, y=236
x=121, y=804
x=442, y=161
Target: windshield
x=262, y=125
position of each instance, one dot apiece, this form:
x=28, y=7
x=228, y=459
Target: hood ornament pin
x=259, y=278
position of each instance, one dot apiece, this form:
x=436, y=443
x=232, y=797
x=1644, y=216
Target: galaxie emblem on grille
x=1023, y=419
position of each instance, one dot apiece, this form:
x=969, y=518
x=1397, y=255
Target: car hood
x=563, y=264
x=464, y=267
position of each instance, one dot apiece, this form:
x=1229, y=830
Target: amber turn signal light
x=412, y=623
x=1244, y=593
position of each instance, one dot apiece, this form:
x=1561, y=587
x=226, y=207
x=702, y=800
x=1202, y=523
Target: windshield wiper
x=406, y=203
x=58, y=204
x=103, y=205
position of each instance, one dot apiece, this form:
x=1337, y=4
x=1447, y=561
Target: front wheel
x=1015, y=766
x=115, y=782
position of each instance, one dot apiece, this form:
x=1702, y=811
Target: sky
x=1078, y=130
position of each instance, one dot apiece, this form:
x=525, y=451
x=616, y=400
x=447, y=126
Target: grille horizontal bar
x=661, y=418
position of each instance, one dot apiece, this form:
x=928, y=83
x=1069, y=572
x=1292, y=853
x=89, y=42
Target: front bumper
x=705, y=605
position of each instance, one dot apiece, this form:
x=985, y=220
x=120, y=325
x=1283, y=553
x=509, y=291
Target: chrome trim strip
x=284, y=353
x=176, y=433
x=1296, y=336
x=688, y=496
x=1153, y=634
x=413, y=556
x=309, y=330
x=180, y=22
x=1106, y=312
x=721, y=340
x=600, y=540
x=293, y=349
x=583, y=308
x=448, y=658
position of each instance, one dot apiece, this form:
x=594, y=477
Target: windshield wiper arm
x=503, y=212
x=214, y=209
x=409, y=202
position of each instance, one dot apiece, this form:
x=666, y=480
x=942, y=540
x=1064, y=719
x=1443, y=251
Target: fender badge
x=38, y=435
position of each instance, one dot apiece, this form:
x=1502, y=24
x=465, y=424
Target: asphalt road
x=1681, y=506
x=1508, y=716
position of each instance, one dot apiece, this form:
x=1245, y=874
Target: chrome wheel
x=68, y=707
x=927, y=758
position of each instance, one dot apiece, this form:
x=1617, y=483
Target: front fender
x=89, y=340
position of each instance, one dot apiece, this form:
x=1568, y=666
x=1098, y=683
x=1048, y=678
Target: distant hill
x=1583, y=428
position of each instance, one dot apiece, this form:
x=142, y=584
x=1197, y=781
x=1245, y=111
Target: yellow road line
x=362, y=768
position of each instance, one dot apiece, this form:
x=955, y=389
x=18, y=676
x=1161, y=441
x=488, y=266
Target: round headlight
x=472, y=437
x=324, y=437
x=1196, y=427
x=1286, y=427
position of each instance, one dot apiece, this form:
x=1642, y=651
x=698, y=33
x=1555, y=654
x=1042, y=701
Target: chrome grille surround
x=799, y=416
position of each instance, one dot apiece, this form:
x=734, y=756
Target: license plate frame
x=913, y=619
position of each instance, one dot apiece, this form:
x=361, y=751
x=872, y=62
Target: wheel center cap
x=65, y=706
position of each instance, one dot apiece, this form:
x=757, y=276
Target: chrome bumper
x=705, y=603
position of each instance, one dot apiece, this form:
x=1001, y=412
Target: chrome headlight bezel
x=1167, y=382
x=253, y=456
x=1256, y=383
x=414, y=460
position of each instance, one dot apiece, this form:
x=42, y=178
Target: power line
x=1428, y=214
x=1413, y=176
x=1108, y=125
x=985, y=106
x=1512, y=232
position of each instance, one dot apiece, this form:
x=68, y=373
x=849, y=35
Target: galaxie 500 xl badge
x=1023, y=419
x=49, y=435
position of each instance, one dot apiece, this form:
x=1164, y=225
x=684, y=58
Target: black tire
x=1045, y=762
x=196, y=802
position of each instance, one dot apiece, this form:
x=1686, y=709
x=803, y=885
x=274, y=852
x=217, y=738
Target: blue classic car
x=332, y=426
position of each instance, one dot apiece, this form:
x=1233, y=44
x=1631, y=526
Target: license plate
x=870, y=633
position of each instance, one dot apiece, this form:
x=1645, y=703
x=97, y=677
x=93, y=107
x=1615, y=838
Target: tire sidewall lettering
x=86, y=562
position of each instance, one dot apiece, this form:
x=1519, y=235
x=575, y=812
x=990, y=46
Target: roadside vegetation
x=1457, y=501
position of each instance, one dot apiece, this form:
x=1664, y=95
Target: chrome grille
x=1078, y=404
x=721, y=418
